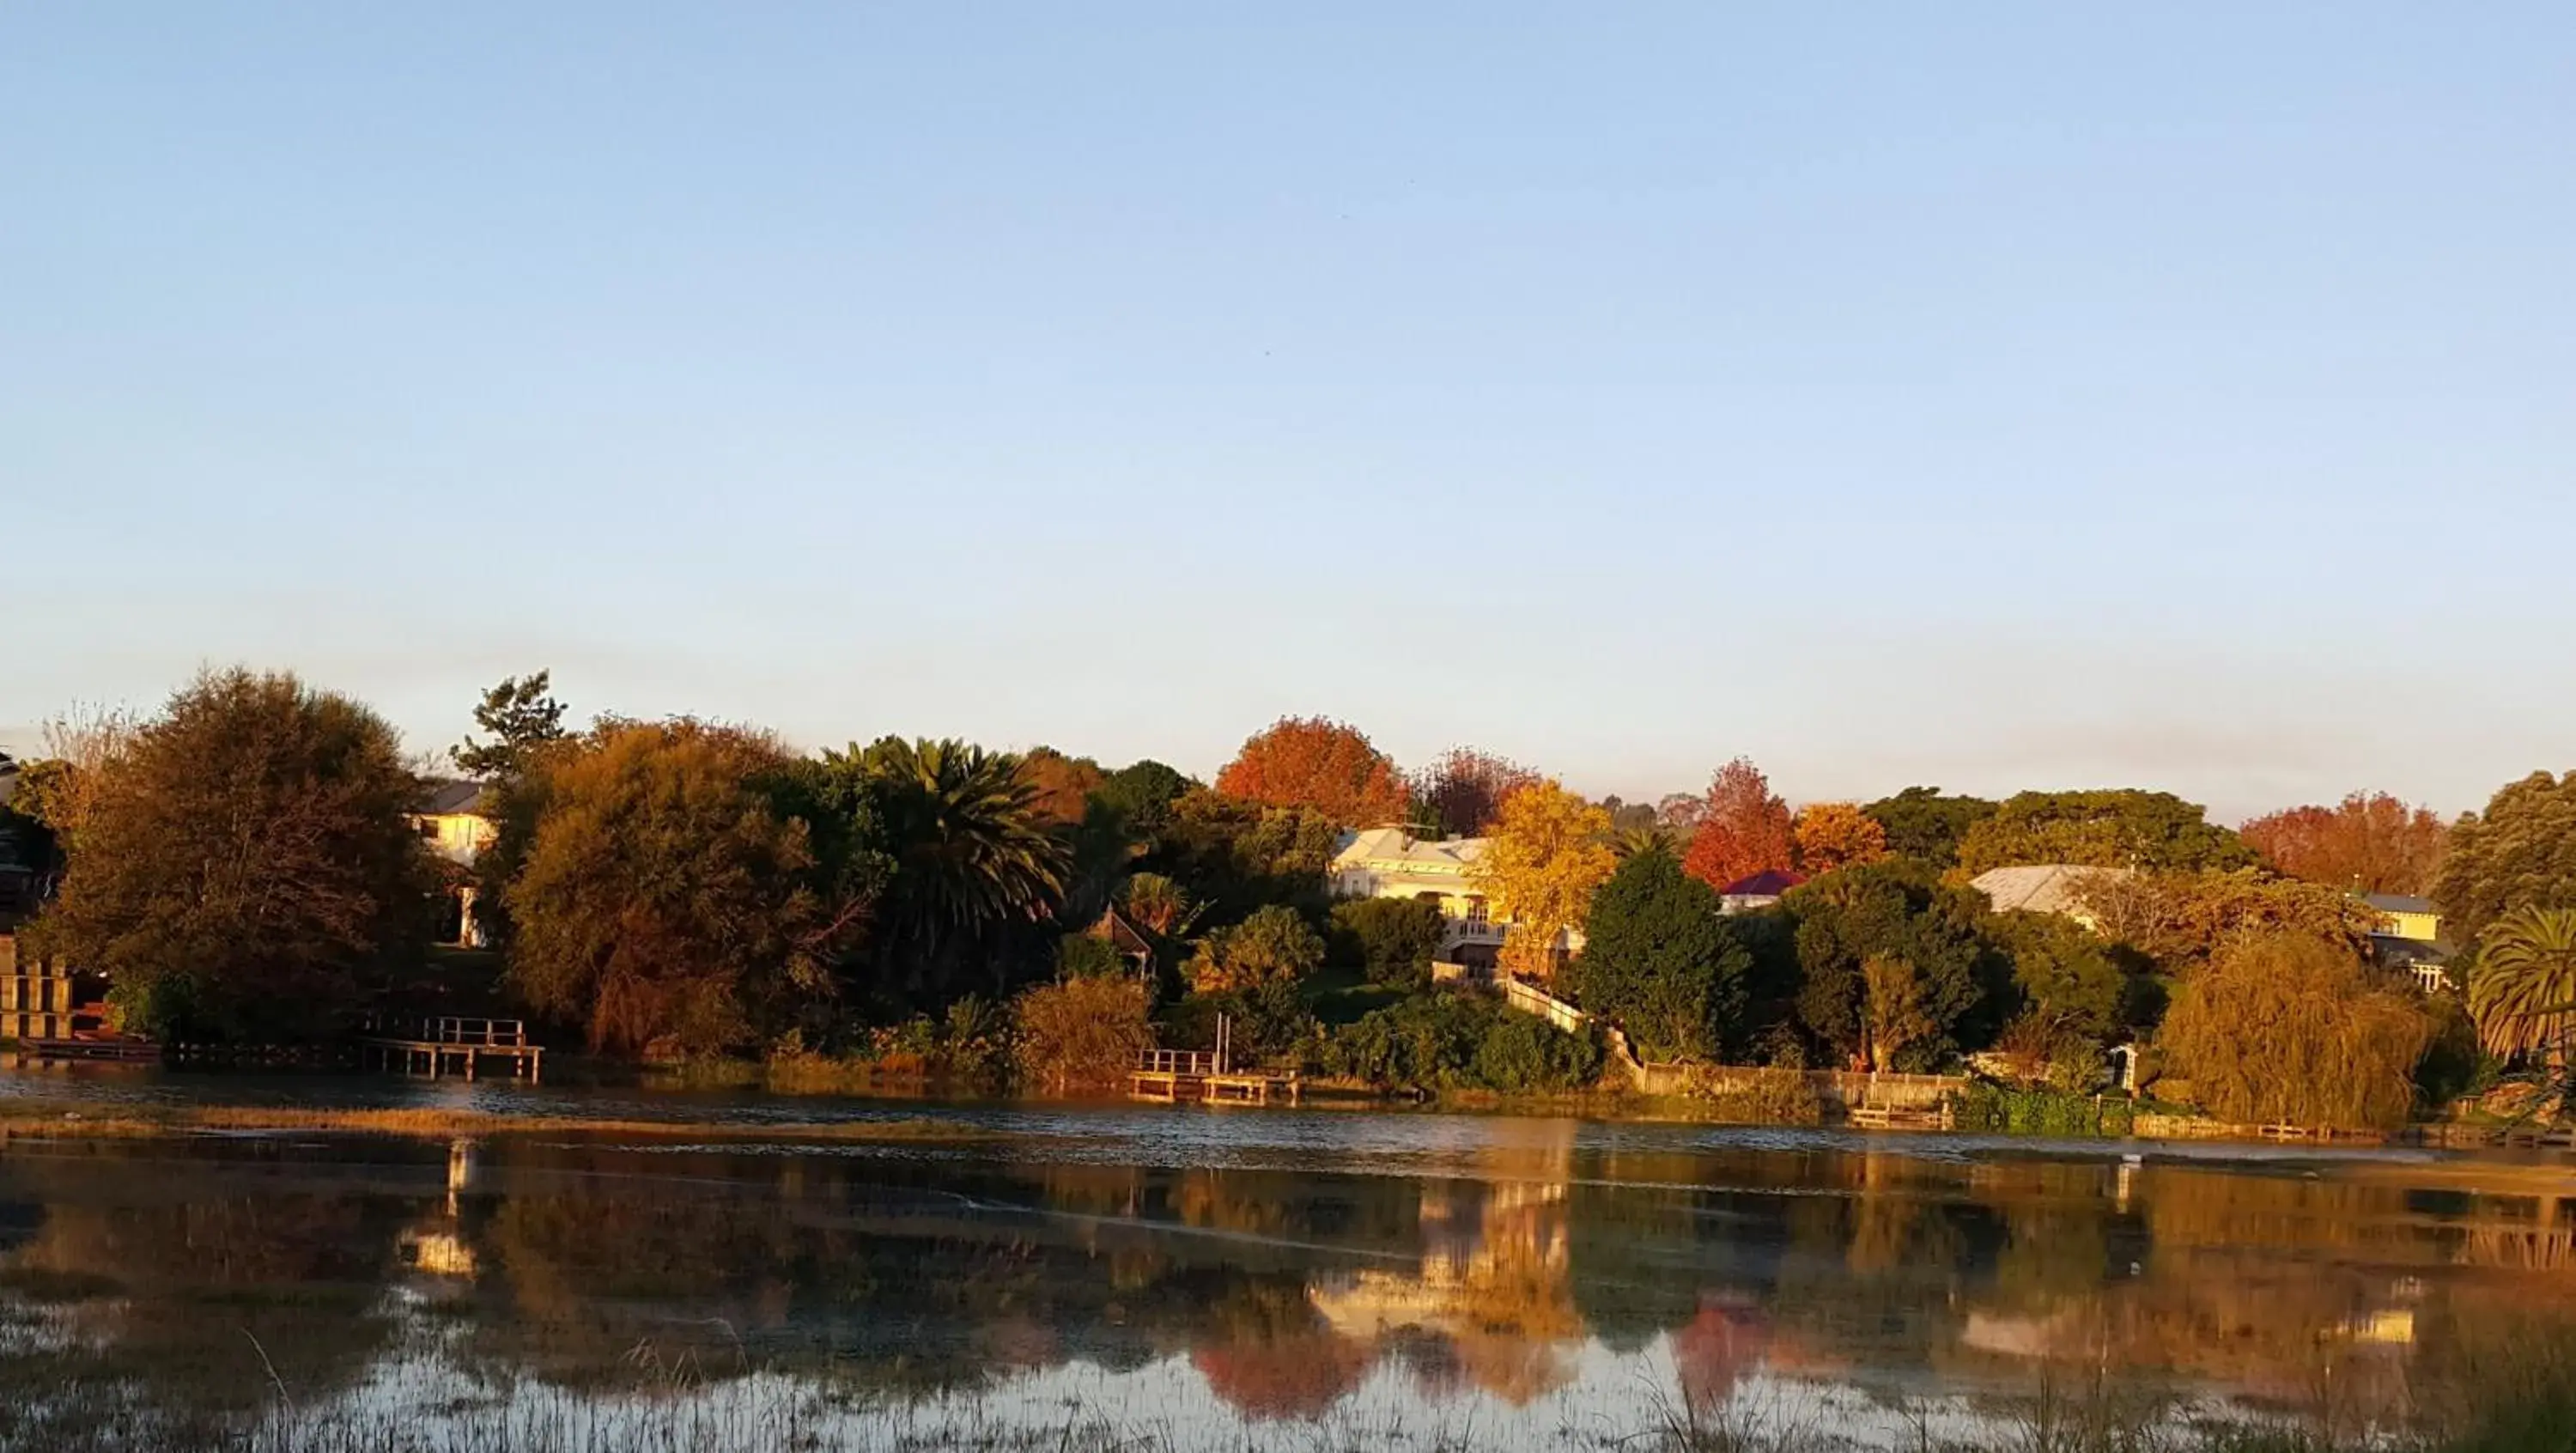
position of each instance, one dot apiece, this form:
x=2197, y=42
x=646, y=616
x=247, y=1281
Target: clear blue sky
x=1983, y=395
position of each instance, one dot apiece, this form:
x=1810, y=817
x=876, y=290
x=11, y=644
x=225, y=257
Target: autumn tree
x=1922, y=824
x=244, y=862
x=1831, y=835
x=1082, y=1034
x=1546, y=855
x=2287, y=1029
x=2518, y=853
x=1322, y=765
x=1462, y=792
x=1661, y=961
x=2120, y=828
x=664, y=902
x=1744, y=828
x=1060, y=786
x=2371, y=843
x=2181, y=920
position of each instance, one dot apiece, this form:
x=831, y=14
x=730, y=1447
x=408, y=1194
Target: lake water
x=1181, y=1278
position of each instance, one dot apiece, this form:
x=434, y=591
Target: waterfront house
x=452, y=824
x=1758, y=891
x=2409, y=937
x=1390, y=862
x=2043, y=888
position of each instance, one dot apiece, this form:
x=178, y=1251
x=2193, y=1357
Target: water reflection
x=1542, y=1271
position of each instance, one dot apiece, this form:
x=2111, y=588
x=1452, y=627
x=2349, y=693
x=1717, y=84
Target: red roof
x=1769, y=883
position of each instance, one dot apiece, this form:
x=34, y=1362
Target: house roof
x=2398, y=903
x=1395, y=845
x=447, y=798
x=1769, y=883
x=2039, y=887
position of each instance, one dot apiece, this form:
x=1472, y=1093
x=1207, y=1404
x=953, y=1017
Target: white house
x=452, y=825
x=1389, y=862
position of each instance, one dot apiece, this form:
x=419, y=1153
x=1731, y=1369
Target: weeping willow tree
x=2285, y=1029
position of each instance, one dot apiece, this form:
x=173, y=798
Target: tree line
x=242, y=866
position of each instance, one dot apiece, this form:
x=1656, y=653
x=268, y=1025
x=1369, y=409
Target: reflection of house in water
x=1494, y=1284
x=435, y=1245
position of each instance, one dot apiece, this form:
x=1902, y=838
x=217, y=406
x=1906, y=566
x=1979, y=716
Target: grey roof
x=2398, y=903
x=2039, y=887
x=449, y=797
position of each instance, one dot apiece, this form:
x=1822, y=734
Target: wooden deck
x=117, y=1050
x=1171, y=1076
x=436, y=1047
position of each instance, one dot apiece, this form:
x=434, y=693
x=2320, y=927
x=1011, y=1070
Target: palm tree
x=971, y=848
x=2523, y=990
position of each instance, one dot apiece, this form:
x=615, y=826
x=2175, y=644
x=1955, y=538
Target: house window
x=429, y=828
x=1475, y=910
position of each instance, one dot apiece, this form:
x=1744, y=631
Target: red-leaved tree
x=1315, y=762
x=2372, y=843
x=1465, y=788
x=1744, y=828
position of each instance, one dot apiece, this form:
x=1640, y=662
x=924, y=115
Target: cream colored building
x=452, y=825
x=1389, y=862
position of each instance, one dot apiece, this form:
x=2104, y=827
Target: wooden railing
x=450, y=1029
x=1179, y=1062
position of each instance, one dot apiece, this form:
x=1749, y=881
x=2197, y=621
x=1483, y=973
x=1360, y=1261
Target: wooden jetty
x=435, y=1047
x=115, y=1049
x=1171, y=1076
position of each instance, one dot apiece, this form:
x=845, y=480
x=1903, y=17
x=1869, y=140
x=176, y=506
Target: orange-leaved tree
x=1321, y=764
x=1744, y=828
x=1547, y=853
x=1465, y=788
x=1833, y=835
x=2371, y=843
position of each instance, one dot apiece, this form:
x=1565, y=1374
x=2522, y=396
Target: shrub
x=1461, y=1042
x=1998, y=1110
x=1088, y=956
x=1391, y=940
x=1766, y=1097
x=1082, y=1034
x=1274, y=943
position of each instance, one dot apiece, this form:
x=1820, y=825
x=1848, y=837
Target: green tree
x=1235, y=856
x=971, y=857
x=1391, y=940
x=522, y=716
x=2289, y=1029
x=245, y=863
x=2070, y=976
x=1141, y=794
x=2522, y=990
x=664, y=902
x=1661, y=961
x=1891, y=911
x=1275, y=943
x=2519, y=853
x=2120, y=828
x=1926, y=826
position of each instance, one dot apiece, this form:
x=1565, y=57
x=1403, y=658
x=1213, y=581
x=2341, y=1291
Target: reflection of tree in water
x=1494, y=1282
x=197, y=1288
x=881, y=1275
